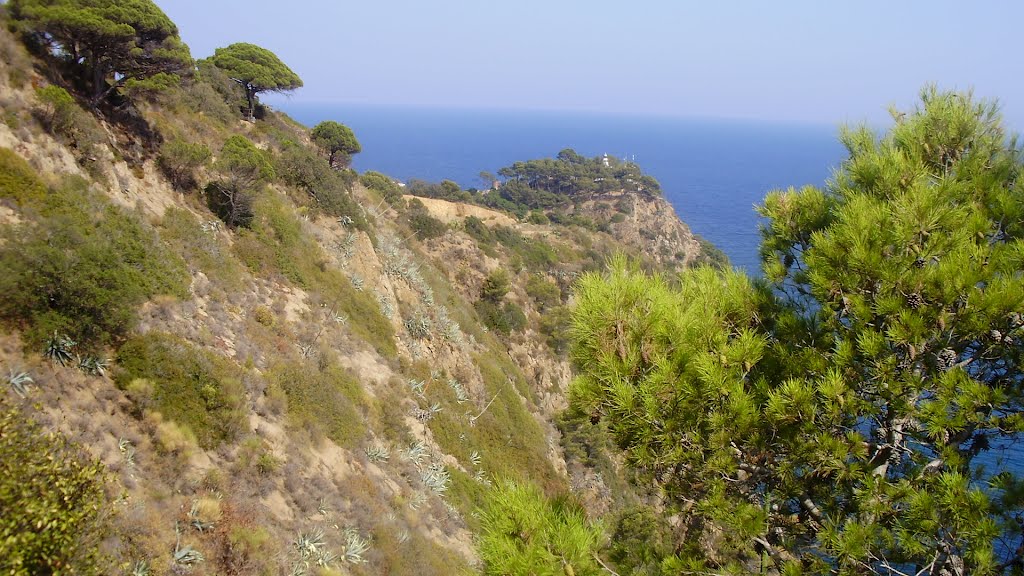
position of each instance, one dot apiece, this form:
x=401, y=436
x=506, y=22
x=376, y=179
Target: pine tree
x=844, y=415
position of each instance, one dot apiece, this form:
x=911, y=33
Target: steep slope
x=330, y=382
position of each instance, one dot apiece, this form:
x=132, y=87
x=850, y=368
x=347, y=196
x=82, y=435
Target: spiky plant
x=187, y=555
x=416, y=453
x=321, y=506
x=140, y=568
x=474, y=457
x=357, y=282
x=436, y=478
x=93, y=365
x=461, y=395
x=418, y=499
x=418, y=387
x=19, y=381
x=378, y=453
x=58, y=349
x=355, y=546
x=309, y=544
x=128, y=451
x=419, y=325
x=387, y=307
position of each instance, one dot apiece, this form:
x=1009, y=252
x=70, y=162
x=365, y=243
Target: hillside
x=283, y=367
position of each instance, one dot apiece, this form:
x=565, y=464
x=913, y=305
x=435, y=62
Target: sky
x=806, y=61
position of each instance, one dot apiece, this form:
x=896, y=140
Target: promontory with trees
x=223, y=351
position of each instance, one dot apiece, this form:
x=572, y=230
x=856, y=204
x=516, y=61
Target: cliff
x=317, y=379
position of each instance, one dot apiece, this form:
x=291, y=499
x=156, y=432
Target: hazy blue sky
x=810, y=60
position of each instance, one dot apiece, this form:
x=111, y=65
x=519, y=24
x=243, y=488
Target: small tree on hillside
x=107, y=43
x=244, y=167
x=256, y=69
x=337, y=140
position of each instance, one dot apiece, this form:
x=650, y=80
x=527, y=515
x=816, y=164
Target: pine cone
x=946, y=359
x=915, y=301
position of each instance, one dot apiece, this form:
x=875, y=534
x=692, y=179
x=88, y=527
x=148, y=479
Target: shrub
x=329, y=189
x=323, y=401
x=58, y=111
x=202, y=248
x=179, y=161
x=244, y=168
x=195, y=388
x=64, y=119
x=504, y=318
x=378, y=182
x=422, y=223
x=81, y=267
x=555, y=325
x=495, y=286
x=54, y=500
x=18, y=180
x=522, y=532
x=544, y=292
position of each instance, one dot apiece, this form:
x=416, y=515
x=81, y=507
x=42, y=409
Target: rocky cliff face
x=363, y=392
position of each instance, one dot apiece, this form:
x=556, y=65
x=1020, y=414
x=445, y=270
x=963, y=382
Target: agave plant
x=418, y=499
x=418, y=387
x=187, y=555
x=387, y=307
x=321, y=507
x=436, y=477
x=461, y=395
x=93, y=365
x=357, y=282
x=355, y=547
x=474, y=457
x=378, y=453
x=19, y=382
x=419, y=325
x=58, y=348
x=416, y=453
x=196, y=521
x=309, y=544
x=140, y=568
x=128, y=451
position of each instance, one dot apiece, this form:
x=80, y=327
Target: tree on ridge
x=256, y=69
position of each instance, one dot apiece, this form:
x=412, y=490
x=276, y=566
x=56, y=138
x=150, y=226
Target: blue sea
x=713, y=171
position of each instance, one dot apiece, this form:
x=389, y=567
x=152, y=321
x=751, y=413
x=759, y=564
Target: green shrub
x=179, y=161
x=64, y=119
x=496, y=285
x=81, y=267
x=422, y=223
x=329, y=189
x=323, y=400
x=538, y=217
x=523, y=532
x=504, y=318
x=54, y=501
x=618, y=218
x=58, y=111
x=639, y=542
x=544, y=292
x=384, y=185
x=244, y=169
x=195, y=388
x=555, y=325
x=18, y=180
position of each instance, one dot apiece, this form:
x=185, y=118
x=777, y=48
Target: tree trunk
x=250, y=95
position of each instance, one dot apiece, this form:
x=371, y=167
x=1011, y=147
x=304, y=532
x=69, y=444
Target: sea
x=714, y=172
